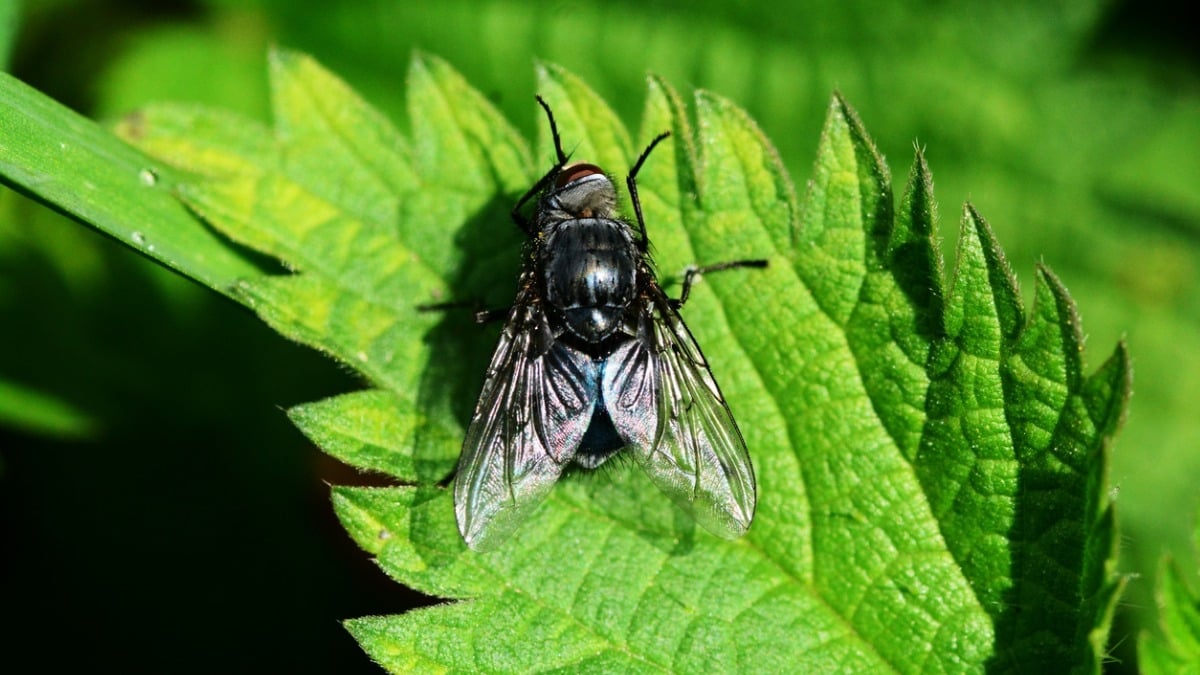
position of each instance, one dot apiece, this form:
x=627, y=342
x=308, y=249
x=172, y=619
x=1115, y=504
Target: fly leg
x=519, y=218
x=693, y=273
x=480, y=314
x=631, y=181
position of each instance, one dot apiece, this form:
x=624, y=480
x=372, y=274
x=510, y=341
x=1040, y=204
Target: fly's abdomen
x=590, y=272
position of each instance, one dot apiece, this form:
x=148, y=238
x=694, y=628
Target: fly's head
x=580, y=191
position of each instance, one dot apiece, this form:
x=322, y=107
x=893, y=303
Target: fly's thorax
x=589, y=268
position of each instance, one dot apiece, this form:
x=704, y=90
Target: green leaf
x=71, y=164
x=931, y=460
x=1175, y=647
x=24, y=408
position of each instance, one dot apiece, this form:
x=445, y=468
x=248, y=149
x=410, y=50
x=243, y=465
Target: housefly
x=595, y=359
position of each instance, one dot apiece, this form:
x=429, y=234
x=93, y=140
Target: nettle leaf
x=1175, y=648
x=931, y=458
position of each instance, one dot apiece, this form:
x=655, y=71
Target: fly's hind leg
x=693, y=273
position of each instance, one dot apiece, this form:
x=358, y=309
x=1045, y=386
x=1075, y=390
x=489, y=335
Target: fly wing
x=667, y=407
x=536, y=404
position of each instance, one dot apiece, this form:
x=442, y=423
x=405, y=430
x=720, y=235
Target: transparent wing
x=667, y=407
x=536, y=404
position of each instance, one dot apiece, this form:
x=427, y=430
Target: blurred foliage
x=1175, y=646
x=1065, y=122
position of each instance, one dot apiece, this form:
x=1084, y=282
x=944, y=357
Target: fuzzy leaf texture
x=931, y=459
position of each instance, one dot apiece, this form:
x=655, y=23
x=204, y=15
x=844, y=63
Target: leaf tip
x=420, y=67
x=547, y=71
x=1067, y=315
x=921, y=163
x=838, y=102
x=841, y=108
x=981, y=232
x=282, y=59
x=918, y=207
x=1120, y=360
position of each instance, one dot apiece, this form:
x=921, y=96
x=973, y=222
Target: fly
x=594, y=358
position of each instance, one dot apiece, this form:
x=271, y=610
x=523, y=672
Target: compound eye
x=574, y=172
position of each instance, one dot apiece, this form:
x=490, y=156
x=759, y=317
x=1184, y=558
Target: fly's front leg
x=524, y=223
x=631, y=181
